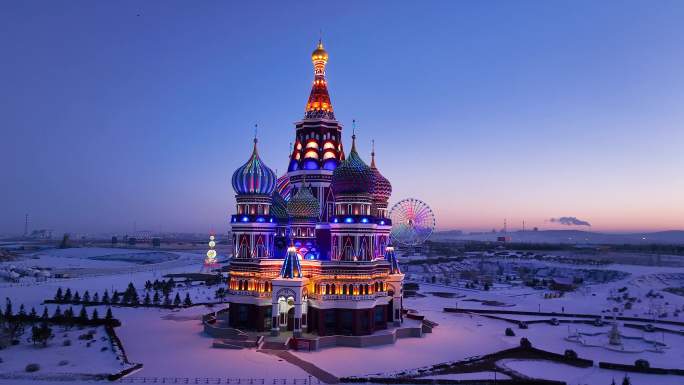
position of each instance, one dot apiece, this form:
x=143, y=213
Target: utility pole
x=26, y=219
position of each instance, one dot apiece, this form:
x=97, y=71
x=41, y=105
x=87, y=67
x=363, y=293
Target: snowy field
x=170, y=343
x=76, y=356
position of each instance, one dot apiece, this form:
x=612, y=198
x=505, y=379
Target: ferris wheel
x=412, y=222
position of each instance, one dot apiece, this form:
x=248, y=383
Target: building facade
x=311, y=247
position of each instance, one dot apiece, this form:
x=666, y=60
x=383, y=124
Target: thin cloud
x=570, y=221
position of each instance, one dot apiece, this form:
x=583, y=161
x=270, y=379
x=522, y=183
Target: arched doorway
x=290, y=319
x=286, y=312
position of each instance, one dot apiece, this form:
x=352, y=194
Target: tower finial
x=353, y=134
x=255, y=138
x=372, y=152
x=319, y=105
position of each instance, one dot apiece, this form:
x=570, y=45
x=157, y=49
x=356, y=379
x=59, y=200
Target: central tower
x=317, y=149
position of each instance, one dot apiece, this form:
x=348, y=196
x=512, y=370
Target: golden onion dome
x=319, y=53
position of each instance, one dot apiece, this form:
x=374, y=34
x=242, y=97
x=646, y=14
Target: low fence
x=429, y=381
x=554, y=314
x=220, y=380
x=117, y=346
x=639, y=369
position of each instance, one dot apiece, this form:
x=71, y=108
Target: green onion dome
x=353, y=176
x=303, y=205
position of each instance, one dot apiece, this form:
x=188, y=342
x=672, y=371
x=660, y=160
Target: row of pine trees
x=161, y=296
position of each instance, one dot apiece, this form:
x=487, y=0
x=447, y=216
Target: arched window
x=311, y=154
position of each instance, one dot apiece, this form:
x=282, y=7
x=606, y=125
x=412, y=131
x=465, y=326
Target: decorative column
x=297, y=331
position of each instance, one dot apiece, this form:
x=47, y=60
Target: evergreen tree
x=45, y=317
x=67, y=295
x=77, y=297
x=83, y=314
x=135, y=299
x=147, y=299
x=96, y=297
x=176, y=300
x=108, y=315
x=41, y=334
x=187, y=301
x=8, y=308
x=59, y=296
x=148, y=285
x=95, y=317
x=86, y=296
x=220, y=293
x=22, y=312
x=156, y=300
x=68, y=318
x=167, y=286
x=33, y=315
x=167, y=300
x=626, y=380
x=58, y=314
x=105, y=297
x=116, y=297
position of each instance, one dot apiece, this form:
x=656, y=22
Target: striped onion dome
x=353, y=176
x=382, y=188
x=254, y=177
x=303, y=205
x=278, y=206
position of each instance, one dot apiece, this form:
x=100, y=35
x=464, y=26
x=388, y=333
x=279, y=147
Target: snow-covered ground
x=79, y=356
x=170, y=343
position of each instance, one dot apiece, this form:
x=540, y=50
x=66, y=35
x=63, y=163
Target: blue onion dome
x=278, y=206
x=254, y=177
x=382, y=188
x=303, y=205
x=353, y=176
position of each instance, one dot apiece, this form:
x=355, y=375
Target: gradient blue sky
x=115, y=112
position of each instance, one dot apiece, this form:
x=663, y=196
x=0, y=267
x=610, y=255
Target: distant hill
x=568, y=236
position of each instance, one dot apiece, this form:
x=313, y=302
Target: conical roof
x=291, y=267
x=391, y=257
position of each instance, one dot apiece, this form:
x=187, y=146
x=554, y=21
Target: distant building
x=562, y=284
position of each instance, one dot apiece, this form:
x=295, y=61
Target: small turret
x=291, y=267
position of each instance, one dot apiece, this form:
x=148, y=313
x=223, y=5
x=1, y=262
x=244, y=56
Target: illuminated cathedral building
x=311, y=248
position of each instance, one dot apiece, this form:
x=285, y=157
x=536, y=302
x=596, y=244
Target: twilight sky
x=121, y=112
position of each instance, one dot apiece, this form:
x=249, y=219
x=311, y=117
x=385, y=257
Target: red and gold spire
x=319, y=105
